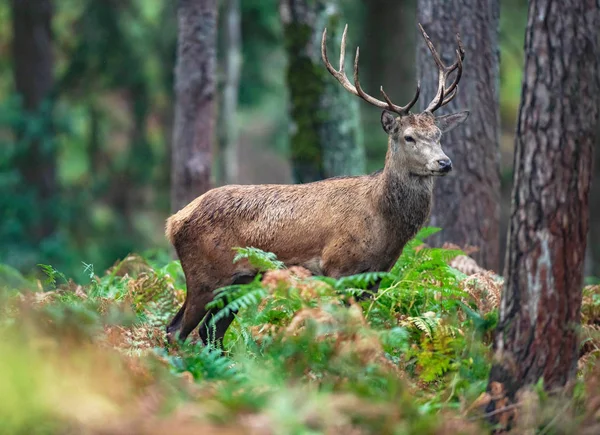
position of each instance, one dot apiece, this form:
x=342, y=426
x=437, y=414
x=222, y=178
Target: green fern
x=258, y=258
x=51, y=275
x=426, y=323
x=203, y=362
x=251, y=298
x=361, y=281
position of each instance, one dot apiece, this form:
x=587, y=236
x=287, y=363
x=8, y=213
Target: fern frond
x=360, y=281
x=425, y=323
x=258, y=258
x=51, y=275
x=252, y=298
x=203, y=362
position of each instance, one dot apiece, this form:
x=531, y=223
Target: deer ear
x=448, y=122
x=388, y=122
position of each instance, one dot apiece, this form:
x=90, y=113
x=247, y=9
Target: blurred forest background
x=85, y=138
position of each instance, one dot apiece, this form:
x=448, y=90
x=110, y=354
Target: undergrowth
x=305, y=354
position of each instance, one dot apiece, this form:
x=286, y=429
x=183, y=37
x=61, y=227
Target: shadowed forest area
x=114, y=115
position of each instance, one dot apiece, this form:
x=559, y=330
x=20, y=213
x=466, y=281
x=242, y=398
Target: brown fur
x=335, y=227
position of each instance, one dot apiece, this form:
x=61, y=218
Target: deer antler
x=355, y=89
x=444, y=95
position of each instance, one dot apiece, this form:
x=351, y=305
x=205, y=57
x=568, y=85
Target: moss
x=306, y=85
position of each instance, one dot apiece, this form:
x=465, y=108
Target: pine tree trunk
x=34, y=79
x=231, y=67
x=326, y=139
x=466, y=204
x=593, y=256
x=193, y=129
x=537, y=333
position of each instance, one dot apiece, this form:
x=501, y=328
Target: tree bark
x=466, y=205
x=593, y=251
x=537, y=334
x=194, y=106
x=231, y=66
x=34, y=80
x=326, y=138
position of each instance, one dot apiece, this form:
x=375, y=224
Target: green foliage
x=258, y=259
x=234, y=298
x=110, y=88
x=203, y=362
x=302, y=354
x=424, y=320
x=51, y=274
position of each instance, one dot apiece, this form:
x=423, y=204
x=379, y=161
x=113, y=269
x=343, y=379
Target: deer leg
x=214, y=333
x=373, y=289
x=194, y=312
x=176, y=321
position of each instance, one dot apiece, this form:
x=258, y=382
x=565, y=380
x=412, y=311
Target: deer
x=334, y=227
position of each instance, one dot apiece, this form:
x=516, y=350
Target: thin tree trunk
x=194, y=106
x=34, y=79
x=326, y=139
x=232, y=62
x=539, y=314
x=466, y=205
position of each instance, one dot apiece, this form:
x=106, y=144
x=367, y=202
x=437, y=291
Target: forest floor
x=302, y=356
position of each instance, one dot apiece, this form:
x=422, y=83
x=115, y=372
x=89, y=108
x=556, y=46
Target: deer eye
x=409, y=139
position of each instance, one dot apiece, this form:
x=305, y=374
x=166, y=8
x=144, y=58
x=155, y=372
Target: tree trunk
x=537, y=333
x=593, y=254
x=326, y=139
x=466, y=205
x=194, y=106
x=33, y=73
x=231, y=64
x=387, y=58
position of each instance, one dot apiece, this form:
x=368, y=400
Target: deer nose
x=445, y=165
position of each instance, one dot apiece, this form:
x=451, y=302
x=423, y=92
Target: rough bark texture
x=34, y=79
x=326, y=139
x=466, y=205
x=194, y=105
x=557, y=128
x=593, y=251
x=231, y=67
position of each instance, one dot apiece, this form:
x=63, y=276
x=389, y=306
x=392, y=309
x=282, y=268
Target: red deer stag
x=334, y=227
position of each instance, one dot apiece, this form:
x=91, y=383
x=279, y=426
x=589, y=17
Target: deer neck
x=403, y=196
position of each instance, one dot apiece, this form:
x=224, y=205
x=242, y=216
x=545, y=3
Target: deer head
x=414, y=139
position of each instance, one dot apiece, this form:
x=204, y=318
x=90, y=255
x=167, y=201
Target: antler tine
x=343, y=50
x=404, y=109
x=444, y=95
x=450, y=97
x=434, y=53
x=460, y=54
x=356, y=89
x=454, y=84
x=415, y=98
x=361, y=93
x=337, y=74
x=436, y=103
